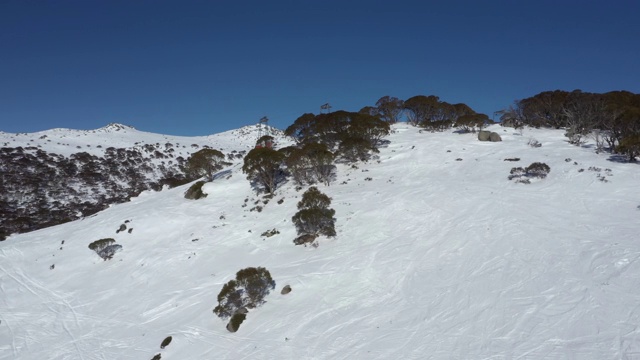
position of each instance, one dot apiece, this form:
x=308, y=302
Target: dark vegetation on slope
x=40, y=189
x=612, y=119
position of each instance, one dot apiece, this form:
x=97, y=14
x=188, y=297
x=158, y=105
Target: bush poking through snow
x=105, y=248
x=195, y=191
x=248, y=290
x=270, y=233
x=535, y=170
x=314, y=216
x=534, y=143
x=101, y=244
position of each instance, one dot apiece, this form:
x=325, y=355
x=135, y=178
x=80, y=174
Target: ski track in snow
x=434, y=258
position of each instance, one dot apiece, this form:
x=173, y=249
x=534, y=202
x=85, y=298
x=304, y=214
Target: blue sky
x=202, y=67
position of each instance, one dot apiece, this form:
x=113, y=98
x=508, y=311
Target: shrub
x=314, y=216
x=248, y=290
x=195, y=191
x=270, y=233
x=98, y=245
x=105, y=248
x=534, y=143
x=535, y=170
x=539, y=170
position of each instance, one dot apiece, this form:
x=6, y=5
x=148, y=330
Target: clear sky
x=201, y=67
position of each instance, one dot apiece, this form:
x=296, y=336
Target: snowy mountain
x=59, y=175
x=437, y=255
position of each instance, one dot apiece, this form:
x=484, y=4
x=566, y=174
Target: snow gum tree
x=204, y=162
x=314, y=216
x=263, y=167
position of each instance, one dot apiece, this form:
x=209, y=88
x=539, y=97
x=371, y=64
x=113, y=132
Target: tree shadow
x=622, y=159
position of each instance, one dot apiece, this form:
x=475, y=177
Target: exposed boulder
x=234, y=323
x=195, y=191
x=494, y=137
x=484, y=135
x=304, y=239
x=285, y=290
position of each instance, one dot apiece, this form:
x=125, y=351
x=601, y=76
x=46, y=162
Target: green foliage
x=314, y=199
x=471, y=122
x=204, y=162
x=535, y=170
x=310, y=163
x=229, y=300
x=270, y=233
x=315, y=222
x=105, y=248
x=263, y=167
x=389, y=109
x=257, y=284
x=611, y=116
x=341, y=129
x=264, y=140
x=630, y=146
x=175, y=181
x=314, y=216
x=99, y=245
x=195, y=191
x=353, y=149
x=249, y=289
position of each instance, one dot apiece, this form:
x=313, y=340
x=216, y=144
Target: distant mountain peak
x=116, y=127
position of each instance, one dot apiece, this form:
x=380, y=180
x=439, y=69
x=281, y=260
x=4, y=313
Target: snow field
x=434, y=258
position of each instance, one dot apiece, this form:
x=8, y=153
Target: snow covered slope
x=437, y=255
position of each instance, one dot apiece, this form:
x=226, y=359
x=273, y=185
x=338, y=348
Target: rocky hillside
x=60, y=175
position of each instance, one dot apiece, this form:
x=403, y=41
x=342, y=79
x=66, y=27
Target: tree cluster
x=428, y=112
x=612, y=119
x=351, y=136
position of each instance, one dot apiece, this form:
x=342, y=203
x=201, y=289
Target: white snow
x=434, y=258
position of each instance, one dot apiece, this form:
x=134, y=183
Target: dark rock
x=304, y=239
x=166, y=342
x=494, y=137
x=285, y=290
